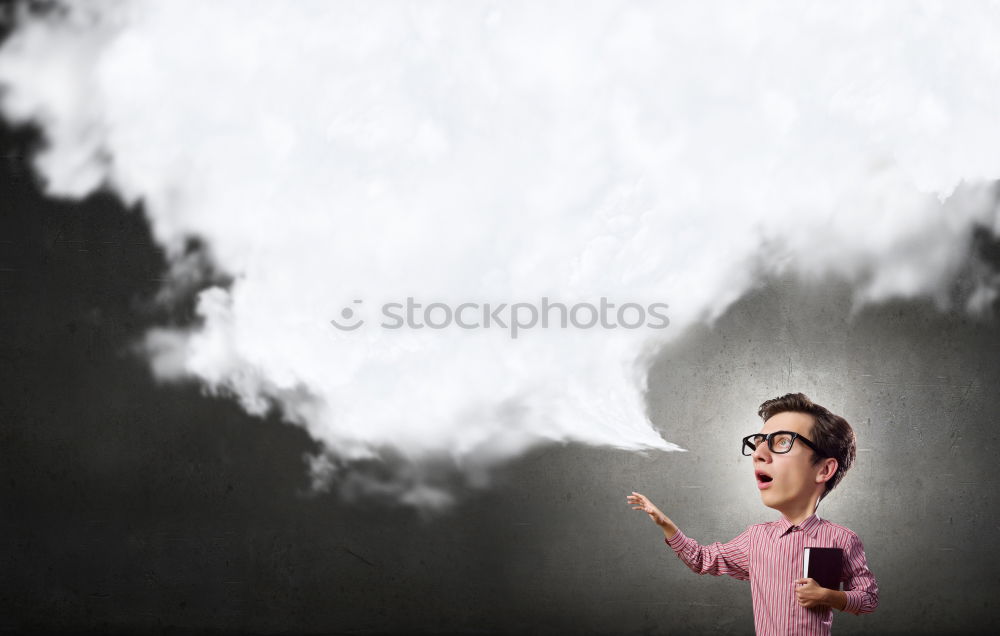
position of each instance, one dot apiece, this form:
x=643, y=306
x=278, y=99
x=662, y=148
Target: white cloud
x=481, y=152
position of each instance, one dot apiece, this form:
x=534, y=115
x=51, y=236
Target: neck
x=798, y=511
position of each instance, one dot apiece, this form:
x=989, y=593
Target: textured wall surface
x=128, y=507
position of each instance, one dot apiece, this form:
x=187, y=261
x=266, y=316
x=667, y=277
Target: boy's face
x=793, y=476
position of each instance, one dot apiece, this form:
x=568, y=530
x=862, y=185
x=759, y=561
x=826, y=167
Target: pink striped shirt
x=769, y=555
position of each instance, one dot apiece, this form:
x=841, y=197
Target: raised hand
x=640, y=502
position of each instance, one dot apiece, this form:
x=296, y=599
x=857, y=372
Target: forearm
x=836, y=599
x=668, y=527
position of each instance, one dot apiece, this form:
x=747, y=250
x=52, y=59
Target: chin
x=770, y=502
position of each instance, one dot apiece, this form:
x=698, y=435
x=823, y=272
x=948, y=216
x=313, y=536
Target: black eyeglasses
x=777, y=442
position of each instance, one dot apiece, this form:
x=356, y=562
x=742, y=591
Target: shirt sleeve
x=732, y=558
x=859, y=582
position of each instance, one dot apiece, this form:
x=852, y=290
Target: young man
x=800, y=455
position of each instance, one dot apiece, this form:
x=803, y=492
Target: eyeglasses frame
x=769, y=436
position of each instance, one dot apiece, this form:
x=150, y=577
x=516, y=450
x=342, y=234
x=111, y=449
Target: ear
x=827, y=470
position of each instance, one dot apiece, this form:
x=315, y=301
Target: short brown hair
x=829, y=432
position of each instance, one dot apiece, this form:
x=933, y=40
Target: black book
x=825, y=565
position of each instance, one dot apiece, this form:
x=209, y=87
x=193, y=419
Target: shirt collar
x=810, y=525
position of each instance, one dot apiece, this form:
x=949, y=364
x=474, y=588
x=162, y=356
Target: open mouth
x=763, y=478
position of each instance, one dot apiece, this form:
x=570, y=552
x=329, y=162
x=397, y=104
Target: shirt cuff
x=855, y=598
x=676, y=541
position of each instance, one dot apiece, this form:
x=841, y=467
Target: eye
x=782, y=442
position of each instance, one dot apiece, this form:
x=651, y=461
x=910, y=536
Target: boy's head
x=802, y=472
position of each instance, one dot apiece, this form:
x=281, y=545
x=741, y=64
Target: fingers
x=637, y=498
x=639, y=502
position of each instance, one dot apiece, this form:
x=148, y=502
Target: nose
x=762, y=453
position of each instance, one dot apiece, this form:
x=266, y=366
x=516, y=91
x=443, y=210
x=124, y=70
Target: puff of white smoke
x=339, y=155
